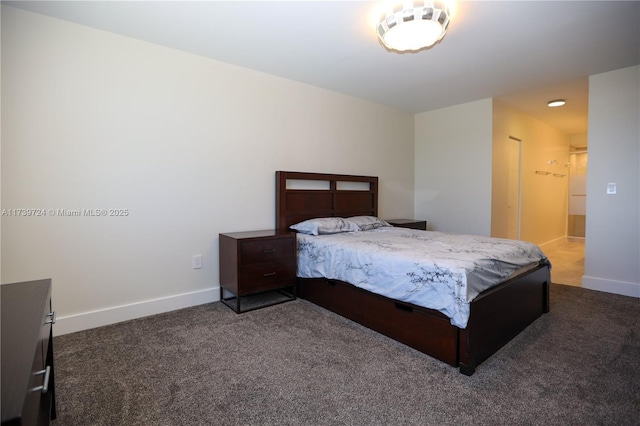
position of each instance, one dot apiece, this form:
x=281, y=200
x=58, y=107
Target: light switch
x=611, y=188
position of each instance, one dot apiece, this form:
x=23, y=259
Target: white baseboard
x=576, y=240
x=553, y=243
x=107, y=316
x=611, y=286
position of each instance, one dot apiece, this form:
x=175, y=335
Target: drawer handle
x=51, y=320
x=269, y=274
x=271, y=250
x=404, y=307
x=45, y=382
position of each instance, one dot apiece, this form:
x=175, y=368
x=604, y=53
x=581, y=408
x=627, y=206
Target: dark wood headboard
x=330, y=196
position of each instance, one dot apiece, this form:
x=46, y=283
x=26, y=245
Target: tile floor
x=567, y=262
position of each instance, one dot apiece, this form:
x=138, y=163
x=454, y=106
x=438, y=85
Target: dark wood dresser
x=256, y=262
x=28, y=391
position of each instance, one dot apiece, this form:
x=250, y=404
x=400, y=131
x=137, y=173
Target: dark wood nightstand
x=408, y=223
x=28, y=389
x=254, y=263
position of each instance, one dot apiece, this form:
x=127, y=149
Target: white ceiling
x=521, y=52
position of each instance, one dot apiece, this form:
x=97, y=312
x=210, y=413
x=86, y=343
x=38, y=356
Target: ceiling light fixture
x=414, y=25
x=556, y=103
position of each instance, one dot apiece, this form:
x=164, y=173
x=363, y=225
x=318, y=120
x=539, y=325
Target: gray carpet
x=297, y=364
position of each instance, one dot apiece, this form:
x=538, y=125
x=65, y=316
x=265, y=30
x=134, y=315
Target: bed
x=496, y=315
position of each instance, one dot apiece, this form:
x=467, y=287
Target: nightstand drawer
x=265, y=276
x=48, y=319
x=266, y=250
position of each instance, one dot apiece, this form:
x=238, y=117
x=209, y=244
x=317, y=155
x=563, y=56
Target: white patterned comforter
x=435, y=270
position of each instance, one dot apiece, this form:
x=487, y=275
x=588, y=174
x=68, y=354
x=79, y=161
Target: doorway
x=567, y=258
x=577, y=215
x=514, y=187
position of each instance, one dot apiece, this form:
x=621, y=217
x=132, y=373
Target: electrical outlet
x=196, y=262
x=612, y=188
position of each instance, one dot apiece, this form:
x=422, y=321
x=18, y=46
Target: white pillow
x=325, y=225
x=365, y=223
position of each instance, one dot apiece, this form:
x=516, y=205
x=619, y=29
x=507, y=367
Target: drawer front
x=31, y=407
x=46, y=362
x=266, y=250
x=48, y=319
x=432, y=334
x=266, y=276
x=341, y=298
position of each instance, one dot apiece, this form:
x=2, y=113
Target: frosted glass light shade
x=414, y=25
x=556, y=103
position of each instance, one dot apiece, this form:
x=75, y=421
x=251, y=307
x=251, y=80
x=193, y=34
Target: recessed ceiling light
x=556, y=103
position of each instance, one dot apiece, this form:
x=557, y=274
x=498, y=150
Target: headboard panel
x=336, y=196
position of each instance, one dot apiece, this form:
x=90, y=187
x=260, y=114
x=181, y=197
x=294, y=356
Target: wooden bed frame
x=497, y=315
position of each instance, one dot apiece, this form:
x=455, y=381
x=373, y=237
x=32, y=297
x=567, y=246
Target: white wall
x=544, y=197
x=453, y=168
x=581, y=140
x=612, y=250
x=189, y=145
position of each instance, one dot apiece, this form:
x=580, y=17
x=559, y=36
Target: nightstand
x=258, y=268
x=28, y=388
x=409, y=223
